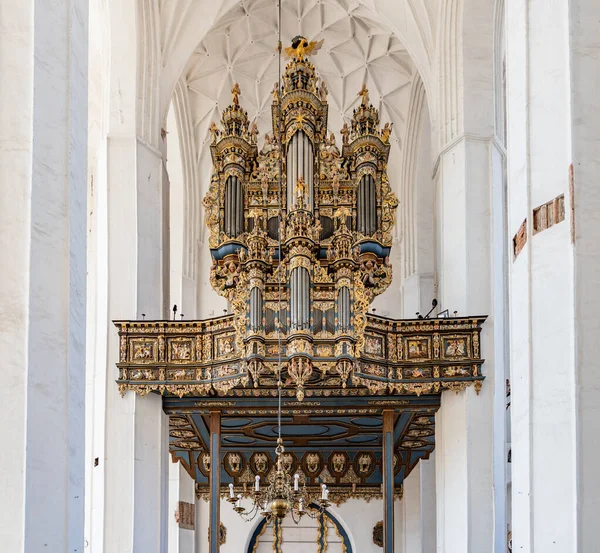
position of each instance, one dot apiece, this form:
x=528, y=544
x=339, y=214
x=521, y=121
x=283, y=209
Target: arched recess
x=268, y=537
x=191, y=212
x=417, y=204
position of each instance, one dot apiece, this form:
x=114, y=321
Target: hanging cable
x=280, y=264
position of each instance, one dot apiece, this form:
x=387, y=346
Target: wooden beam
x=215, y=480
x=388, y=480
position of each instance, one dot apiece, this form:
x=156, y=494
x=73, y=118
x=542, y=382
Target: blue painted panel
x=227, y=249
x=367, y=422
x=234, y=423
x=362, y=439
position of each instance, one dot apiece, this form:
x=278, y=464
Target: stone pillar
x=411, y=508
x=182, y=510
x=585, y=133
x=464, y=423
x=43, y=153
x=215, y=480
x=388, y=480
x=427, y=491
x=129, y=442
x=553, y=202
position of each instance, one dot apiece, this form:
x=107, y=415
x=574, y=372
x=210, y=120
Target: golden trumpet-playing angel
x=301, y=47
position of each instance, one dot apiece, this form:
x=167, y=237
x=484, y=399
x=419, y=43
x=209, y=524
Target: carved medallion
x=378, y=534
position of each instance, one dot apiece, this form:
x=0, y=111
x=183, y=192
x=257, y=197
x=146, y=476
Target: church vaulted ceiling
x=241, y=48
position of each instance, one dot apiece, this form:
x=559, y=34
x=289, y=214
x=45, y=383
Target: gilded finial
x=301, y=47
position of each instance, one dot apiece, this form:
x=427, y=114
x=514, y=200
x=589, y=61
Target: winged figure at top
x=301, y=47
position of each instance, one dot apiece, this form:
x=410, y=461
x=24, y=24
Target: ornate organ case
x=300, y=233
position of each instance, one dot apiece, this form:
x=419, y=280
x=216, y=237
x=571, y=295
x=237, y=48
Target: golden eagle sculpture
x=301, y=47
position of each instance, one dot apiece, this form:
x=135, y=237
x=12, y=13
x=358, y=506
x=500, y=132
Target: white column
x=43, y=147
x=129, y=482
x=464, y=423
x=411, y=511
x=181, y=490
x=428, y=509
x=585, y=132
x=553, y=128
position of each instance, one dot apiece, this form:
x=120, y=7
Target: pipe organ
x=300, y=231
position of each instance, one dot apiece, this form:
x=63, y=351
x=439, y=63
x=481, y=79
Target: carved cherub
x=232, y=275
x=368, y=268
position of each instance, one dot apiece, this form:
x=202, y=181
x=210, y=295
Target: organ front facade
x=300, y=237
x=300, y=232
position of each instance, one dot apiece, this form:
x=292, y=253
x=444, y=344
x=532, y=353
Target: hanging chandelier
x=281, y=497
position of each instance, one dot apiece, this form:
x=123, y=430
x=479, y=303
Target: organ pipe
x=344, y=309
x=256, y=308
x=300, y=163
x=366, y=206
x=234, y=207
x=300, y=298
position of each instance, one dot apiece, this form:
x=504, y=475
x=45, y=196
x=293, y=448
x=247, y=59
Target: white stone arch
x=257, y=534
x=417, y=208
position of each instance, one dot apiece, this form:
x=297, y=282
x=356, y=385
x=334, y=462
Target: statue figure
x=345, y=132
x=323, y=91
x=253, y=133
x=268, y=146
x=335, y=184
x=214, y=132
x=385, y=132
x=276, y=92
x=364, y=94
x=235, y=94
x=264, y=185
x=301, y=191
